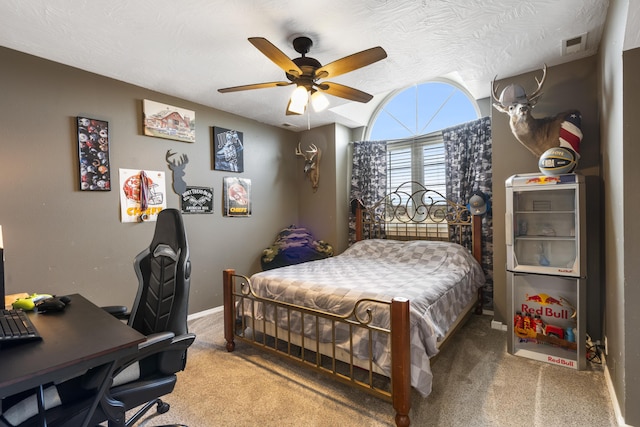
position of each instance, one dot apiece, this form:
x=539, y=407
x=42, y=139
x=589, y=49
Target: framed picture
x=228, y=150
x=142, y=195
x=169, y=122
x=93, y=151
x=237, y=196
x=197, y=200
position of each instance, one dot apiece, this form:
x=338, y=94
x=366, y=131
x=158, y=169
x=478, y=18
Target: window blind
x=419, y=159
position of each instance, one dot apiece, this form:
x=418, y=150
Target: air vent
x=574, y=45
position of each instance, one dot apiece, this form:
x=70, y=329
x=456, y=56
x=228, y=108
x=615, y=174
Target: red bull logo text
x=546, y=302
x=561, y=361
x=545, y=311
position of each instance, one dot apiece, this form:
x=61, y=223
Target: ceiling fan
x=305, y=72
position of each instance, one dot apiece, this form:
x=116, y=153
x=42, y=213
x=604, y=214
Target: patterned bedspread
x=438, y=278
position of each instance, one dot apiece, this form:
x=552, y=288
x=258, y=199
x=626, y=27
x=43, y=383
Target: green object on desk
x=29, y=303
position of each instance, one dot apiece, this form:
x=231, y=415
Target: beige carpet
x=476, y=383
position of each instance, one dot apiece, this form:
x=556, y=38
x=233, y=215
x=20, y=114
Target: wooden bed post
x=477, y=237
x=476, y=231
x=359, y=224
x=401, y=360
x=227, y=299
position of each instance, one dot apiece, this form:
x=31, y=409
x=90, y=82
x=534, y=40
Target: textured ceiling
x=191, y=48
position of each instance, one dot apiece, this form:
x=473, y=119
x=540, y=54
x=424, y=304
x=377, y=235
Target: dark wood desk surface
x=82, y=336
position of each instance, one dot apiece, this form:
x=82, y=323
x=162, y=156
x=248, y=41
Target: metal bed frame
x=410, y=212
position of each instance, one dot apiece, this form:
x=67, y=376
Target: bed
x=375, y=315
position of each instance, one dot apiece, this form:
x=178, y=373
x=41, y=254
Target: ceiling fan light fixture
x=296, y=108
x=319, y=101
x=300, y=96
x=299, y=100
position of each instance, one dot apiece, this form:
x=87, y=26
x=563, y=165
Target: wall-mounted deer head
x=311, y=164
x=537, y=135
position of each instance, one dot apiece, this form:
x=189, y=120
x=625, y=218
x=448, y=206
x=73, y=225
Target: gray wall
x=628, y=284
x=61, y=240
x=619, y=94
x=325, y=211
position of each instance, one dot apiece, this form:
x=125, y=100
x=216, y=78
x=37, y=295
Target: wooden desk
x=81, y=337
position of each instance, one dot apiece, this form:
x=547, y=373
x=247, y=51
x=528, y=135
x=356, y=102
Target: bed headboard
x=413, y=212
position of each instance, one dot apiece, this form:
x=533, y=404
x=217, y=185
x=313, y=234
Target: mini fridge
x=546, y=271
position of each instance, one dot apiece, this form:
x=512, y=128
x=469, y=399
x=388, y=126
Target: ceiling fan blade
x=343, y=91
x=276, y=55
x=253, y=86
x=351, y=62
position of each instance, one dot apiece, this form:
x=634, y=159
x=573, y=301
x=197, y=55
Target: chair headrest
x=169, y=231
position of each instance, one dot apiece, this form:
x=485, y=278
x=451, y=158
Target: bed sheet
x=438, y=278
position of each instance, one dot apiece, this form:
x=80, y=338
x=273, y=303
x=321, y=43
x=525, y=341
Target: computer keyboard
x=16, y=326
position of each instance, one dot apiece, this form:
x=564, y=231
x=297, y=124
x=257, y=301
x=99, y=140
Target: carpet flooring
x=476, y=383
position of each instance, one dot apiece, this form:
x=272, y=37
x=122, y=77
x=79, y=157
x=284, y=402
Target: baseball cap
x=477, y=205
x=513, y=94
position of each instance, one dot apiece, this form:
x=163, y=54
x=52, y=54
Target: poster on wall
x=228, y=150
x=237, y=196
x=142, y=195
x=93, y=152
x=167, y=121
x=197, y=200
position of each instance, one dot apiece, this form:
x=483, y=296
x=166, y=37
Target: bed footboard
x=327, y=359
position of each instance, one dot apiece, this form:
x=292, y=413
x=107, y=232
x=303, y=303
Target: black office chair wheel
x=162, y=407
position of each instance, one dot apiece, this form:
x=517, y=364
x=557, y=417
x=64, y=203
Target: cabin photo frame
x=168, y=122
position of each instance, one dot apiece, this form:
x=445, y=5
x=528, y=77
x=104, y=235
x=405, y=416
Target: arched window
x=411, y=121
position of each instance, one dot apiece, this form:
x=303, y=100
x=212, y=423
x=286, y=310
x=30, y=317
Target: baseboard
x=498, y=325
x=200, y=314
x=612, y=393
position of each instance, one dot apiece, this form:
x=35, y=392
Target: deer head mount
x=311, y=164
x=537, y=135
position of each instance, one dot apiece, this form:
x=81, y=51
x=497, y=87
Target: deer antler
x=183, y=159
x=532, y=98
x=299, y=151
x=312, y=151
x=494, y=91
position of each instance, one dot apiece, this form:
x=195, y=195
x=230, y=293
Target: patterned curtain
x=468, y=169
x=368, y=176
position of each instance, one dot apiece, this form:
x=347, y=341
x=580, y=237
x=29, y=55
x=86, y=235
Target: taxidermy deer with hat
x=537, y=135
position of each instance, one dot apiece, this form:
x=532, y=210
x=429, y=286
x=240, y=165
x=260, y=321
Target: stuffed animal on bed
x=294, y=245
